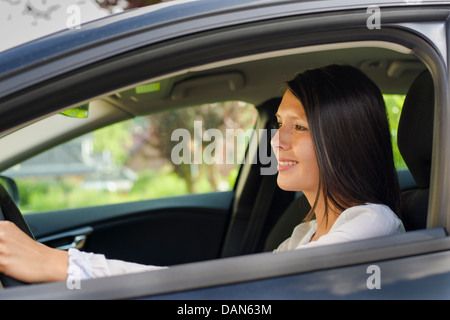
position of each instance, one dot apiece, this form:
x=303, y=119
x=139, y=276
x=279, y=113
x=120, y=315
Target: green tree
x=116, y=139
x=157, y=135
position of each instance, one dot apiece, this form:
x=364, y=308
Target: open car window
x=190, y=150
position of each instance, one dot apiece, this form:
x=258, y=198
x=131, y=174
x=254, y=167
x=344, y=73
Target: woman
x=333, y=143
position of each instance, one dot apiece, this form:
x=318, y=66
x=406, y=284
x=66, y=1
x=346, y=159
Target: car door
x=147, y=232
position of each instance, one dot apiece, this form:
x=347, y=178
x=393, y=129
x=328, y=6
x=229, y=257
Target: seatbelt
x=259, y=213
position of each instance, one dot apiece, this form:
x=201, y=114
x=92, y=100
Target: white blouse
x=355, y=223
x=87, y=265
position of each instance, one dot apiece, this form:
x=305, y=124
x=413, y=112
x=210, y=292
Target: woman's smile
x=286, y=164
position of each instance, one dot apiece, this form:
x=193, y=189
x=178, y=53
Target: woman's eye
x=300, y=128
x=276, y=124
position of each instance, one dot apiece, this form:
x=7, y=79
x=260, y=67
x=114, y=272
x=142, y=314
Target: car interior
x=257, y=216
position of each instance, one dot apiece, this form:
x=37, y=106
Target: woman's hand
x=27, y=260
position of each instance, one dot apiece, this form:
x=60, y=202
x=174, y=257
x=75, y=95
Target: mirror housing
x=81, y=111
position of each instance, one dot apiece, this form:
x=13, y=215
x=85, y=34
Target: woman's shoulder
x=370, y=211
x=355, y=223
x=374, y=219
x=301, y=235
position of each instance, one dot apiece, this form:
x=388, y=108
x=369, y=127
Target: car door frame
x=273, y=267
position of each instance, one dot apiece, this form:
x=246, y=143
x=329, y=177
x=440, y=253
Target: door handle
x=66, y=240
x=77, y=243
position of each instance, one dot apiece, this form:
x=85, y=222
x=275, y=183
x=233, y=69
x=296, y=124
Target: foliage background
x=144, y=146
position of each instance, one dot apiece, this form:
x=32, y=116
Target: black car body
x=218, y=245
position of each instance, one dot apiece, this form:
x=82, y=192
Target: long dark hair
x=350, y=130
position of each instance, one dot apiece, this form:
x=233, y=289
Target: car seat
x=415, y=140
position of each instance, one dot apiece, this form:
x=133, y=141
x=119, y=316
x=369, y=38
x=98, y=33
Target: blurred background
x=25, y=20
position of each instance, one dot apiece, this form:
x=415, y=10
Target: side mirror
x=11, y=186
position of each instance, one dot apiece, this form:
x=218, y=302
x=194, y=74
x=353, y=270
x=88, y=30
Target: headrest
x=415, y=129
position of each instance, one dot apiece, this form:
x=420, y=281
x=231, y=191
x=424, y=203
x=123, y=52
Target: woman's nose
x=275, y=141
x=279, y=140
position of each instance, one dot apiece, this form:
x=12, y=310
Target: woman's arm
x=87, y=265
x=27, y=260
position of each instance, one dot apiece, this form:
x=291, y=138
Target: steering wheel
x=9, y=211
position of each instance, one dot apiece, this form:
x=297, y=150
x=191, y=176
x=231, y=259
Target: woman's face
x=293, y=147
